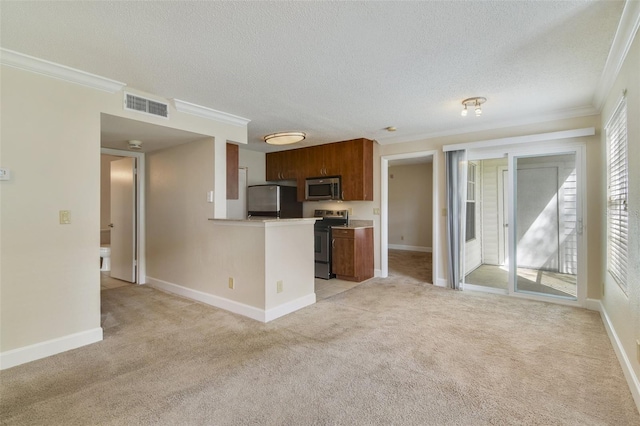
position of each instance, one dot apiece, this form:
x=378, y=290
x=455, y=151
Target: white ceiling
x=336, y=70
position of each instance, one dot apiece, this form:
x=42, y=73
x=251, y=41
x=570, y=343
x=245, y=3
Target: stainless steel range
x=322, y=239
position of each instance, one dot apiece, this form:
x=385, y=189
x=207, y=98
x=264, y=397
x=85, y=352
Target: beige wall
x=49, y=273
x=186, y=249
x=624, y=310
x=178, y=180
x=411, y=205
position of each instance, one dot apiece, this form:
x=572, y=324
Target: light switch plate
x=5, y=174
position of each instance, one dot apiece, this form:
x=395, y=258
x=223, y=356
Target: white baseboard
x=51, y=347
x=377, y=273
x=409, y=248
x=231, y=305
x=623, y=359
x=287, y=308
x=593, y=305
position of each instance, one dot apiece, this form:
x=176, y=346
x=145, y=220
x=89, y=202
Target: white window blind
x=617, y=189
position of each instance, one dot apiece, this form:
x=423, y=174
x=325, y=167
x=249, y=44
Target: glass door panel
x=546, y=218
x=486, y=243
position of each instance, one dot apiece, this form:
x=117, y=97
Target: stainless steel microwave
x=323, y=188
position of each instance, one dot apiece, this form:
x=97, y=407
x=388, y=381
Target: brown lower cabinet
x=352, y=250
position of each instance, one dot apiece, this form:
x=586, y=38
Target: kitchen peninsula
x=267, y=265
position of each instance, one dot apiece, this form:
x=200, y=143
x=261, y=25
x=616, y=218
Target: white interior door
x=123, y=219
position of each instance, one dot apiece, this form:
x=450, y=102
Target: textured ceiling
x=336, y=70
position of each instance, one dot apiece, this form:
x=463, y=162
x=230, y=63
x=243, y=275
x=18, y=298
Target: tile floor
x=107, y=283
x=328, y=288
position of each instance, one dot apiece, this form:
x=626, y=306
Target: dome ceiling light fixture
x=476, y=103
x=284, y=138
x=135, y=145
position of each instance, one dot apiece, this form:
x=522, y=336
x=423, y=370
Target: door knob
x=111, y=225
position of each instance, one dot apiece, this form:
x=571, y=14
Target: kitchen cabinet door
x=344, y=255
x=352, y=253
x=355, y=165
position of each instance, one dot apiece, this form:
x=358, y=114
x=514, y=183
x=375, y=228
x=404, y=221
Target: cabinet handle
x=333, y=243
x=343, y=195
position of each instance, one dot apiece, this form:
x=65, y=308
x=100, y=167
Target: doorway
x=122, y=214
x=409, y=205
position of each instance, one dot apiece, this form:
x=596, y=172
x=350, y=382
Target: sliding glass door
x=546, y=225
x=524, y=223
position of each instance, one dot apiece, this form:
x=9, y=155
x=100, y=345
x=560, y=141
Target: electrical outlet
x=350, y=211
x=376, y=211
x=65, y=217
x=279, y=286
x=231, y=283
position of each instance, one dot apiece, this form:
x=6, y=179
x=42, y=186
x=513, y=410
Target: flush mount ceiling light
x=475, y=103
x=284, y=138
x=135, y=145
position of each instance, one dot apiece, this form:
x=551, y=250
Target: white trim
x=410, y=248
x=377, y=273
x=627, y=29
x=585, y=111
x=441, y=282
x=484, y=289
x=47, y=348
x=528, y=139
x=211, y=114
x=141, y=238
x=623, y=358
x=239, y=308
x=61, y=72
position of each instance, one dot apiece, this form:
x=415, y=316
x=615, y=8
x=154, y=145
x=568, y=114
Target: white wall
x=411, y=205
x=623, y=310
x=255, y=162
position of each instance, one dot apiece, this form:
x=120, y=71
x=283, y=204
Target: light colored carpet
x=388, y=351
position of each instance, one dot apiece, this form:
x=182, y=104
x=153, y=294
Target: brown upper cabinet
x=233, y=157
x=353, y=160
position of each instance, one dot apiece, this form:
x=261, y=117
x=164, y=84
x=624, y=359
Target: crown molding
x=50, y=69
x=211, y=114
x=543, y=118
x=627, y=29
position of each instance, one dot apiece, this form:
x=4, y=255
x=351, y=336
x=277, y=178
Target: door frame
x=384, y=212
x=140, y=237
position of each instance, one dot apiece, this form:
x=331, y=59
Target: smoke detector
x=135, y=145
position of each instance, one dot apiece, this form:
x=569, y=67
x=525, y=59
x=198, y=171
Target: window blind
x=617, y=189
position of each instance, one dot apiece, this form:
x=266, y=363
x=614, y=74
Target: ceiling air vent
x=136, y=103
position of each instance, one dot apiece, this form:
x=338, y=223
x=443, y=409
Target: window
x=470, y=233
x=617, y=189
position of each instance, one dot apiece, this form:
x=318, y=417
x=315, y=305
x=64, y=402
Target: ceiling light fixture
x=284, y=138
x=135, y=145
x=476, y=103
